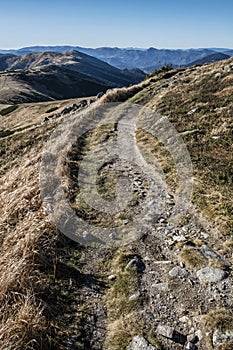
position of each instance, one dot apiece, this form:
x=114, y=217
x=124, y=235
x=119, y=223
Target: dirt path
x=180, y=279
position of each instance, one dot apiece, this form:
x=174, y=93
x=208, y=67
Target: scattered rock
x=172, y=334
x=211, y=274
x=83, y=103
x=180, y=238
x=140, y=343
x=178, y=272
x=222, y=336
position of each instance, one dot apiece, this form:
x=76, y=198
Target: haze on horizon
x=135, y=23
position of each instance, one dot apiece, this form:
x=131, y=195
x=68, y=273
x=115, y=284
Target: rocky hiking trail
x=169, y=286
x=159, y=289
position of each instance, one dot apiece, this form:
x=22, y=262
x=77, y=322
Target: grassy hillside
x=56, y=294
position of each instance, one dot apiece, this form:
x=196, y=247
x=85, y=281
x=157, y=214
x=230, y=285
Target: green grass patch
x=8, y=110
x=52, y=109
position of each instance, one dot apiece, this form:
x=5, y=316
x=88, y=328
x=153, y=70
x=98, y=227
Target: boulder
x=170, y=333
x=211, y=274
x=140, y=343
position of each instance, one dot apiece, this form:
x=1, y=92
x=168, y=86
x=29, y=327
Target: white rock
x=140, y=343
x=112, y=277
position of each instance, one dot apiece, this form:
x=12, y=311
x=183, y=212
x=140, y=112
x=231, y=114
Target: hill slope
x=172, y=286
x=44, y=76
x=210, y=59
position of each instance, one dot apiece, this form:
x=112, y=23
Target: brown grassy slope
x=27, y=239
x=200, y=101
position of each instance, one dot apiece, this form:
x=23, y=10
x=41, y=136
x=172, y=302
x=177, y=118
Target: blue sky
x=122, y=23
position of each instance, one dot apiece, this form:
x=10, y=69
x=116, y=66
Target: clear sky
x=122, y=23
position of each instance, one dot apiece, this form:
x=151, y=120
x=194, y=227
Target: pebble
x=112, y=277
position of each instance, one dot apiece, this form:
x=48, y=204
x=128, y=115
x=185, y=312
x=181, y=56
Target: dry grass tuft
x=220, y=319
x=192, y=258
x=121, y=331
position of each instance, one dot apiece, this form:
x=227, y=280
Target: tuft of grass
x=123, y=317
x=219, y=319
x=121, y=331
x=192, y=258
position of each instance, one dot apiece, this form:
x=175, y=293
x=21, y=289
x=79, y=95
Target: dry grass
x=121, y=331
x=220, y=319
x=192, y=258
x=24, y=231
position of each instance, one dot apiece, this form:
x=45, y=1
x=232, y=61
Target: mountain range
x=145, y=59
x=42, y=76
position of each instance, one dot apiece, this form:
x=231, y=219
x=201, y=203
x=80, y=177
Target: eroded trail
x=149, y=270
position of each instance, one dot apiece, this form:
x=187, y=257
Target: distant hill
x=146, y=59
x=50, y=75
x=215, y=57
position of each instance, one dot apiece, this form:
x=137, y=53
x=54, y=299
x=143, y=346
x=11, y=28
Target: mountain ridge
x=145, y=59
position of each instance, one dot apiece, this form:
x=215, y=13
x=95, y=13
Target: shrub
x=8, y=110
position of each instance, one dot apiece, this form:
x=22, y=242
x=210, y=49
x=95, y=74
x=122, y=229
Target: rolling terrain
x=171, y=288
x=50, y=76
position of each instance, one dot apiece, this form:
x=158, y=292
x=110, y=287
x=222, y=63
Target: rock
x=209, y=253
x=193, y=338
x=134, y=296
x=140, y=343
x=112, y=277
x=46, y=119
x=221, y=336
x=83, y=103
x=165, y=331
x=172, y=334
x=198, y=334
x=228, y=68
x=163, y=262
x=184, y=319
x=99, y=95
x=136, y=262
x=211, y=274
x=191, y=346
x=178, y=272
x=217, y=75
x=192, y=111
x=180, y=238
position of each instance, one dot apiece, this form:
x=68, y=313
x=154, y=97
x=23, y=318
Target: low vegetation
x=8, y=110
